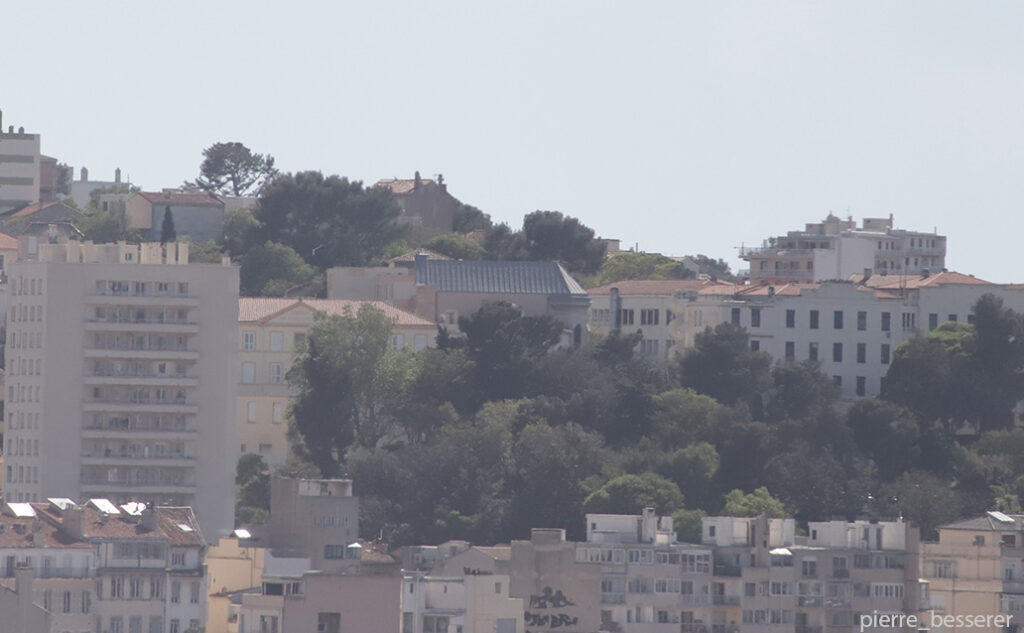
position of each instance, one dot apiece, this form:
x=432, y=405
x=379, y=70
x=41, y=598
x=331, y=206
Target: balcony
x=808, y=628
x=128, y=405
x=747, y=252
x=613, y=598
x=810, y=601
x=124, y=459
x=841, y=574
x=134, y=327
x=729, y=601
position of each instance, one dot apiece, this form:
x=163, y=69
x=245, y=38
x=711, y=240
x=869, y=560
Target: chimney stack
x=616, y=308
x=85, y=174
x=117, y=176
x=148, y=520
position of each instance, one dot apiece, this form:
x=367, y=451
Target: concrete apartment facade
x=121, y=370
x=316, y=519
x=837, y=248
x=19, y=168
x=976, y=568
x=100, y=567
x=467, y=602
x=270, y=333
x=647, y=306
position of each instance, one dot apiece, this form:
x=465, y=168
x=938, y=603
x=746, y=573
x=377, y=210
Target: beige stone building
x=121, y=374
x=270, y=331
x=976, y=568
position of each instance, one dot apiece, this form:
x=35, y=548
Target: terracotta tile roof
x=780, y=290
x=8, y=242
x=988, y=523
x=182, y=199
x=918, y=281
x=399, y=186
x=252, y=309
x=169, y=520
x=52, y=535
x=656, y=286
x=31, y=209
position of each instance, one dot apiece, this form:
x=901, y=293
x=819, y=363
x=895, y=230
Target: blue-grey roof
x=506, y=277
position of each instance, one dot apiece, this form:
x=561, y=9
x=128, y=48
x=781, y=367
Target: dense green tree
x=232, y=169
x=469, y=218
x=551, y=236
x=63, y=177
x=630, y=494
x=205, y=253
x=694, y=469
x=640, y=266
x=714, y=268
x=456, y=246
x=271, y=269
x=799, y=390
x=167, y=230
x=722, y=365
x=252, y=478
x=811, y=482
x=504, y=346
x=922, y=498
x=329, y=221
x=333, y=378
x=888, y=433
x=688, y=525
x=240, y=231
x=550, y=465
x=924, y=367
x=758, y=502
x=683, y=416
x=108, y=226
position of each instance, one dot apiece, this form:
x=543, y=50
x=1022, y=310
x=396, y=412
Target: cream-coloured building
x=976, y=568
x=121, y=374
x=270, y=331
x=472, y=602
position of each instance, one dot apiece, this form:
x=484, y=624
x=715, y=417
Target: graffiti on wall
x=544, y=610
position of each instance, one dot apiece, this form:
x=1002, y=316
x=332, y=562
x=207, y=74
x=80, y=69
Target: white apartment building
x=850, y=328
x=271, y=331
x=121, y=374
x=837, y=248
x=469, y=602
x=19, y=168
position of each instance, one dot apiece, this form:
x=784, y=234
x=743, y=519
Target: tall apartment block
x=837, y=248
x=19, y=168
x=121, y=374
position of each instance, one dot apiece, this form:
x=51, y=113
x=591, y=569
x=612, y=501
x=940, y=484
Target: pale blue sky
x=686, y=127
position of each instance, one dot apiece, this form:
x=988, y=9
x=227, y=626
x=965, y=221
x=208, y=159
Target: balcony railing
x=725, y=600
x=54, y=572
x=127, y=425
x=728, y=570
x=613, y=598
x=110, y=454
x=840, y=573
x=808, y=628
x=810, y=601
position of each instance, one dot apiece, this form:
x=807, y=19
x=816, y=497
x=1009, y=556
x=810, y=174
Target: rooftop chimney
x=616, y=308
x=148, y=520
x=416, y=181
x=21, y=130
x=84, y=174
x=117, y=176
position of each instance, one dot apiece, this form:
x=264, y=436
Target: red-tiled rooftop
x=252, y=309
x=657, y=286
x=918, y=281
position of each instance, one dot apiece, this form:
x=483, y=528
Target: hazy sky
x=687, y=127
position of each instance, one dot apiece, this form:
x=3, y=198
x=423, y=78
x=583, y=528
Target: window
x=886, y=321
x=649, y=317
x=755, y=317
x=627, y=317
x=156, y=624
x=933, y=321
x=755, y=346
x=117, y=586
x=66, y=602
x=334, y=552
x=193, y=593
x=248, y=373
x=397, y=341
x=837, y=352
x=275, y=373
x=887, y=589
x=300, y=340
x=135, y=587
x=266, y=449
x=861, y=385
x=156, y=588
x=837, y=381
x=862, y=353
x=248, y=341
x=435, y=624
x=86, y=602
x=251, y=412
x=862, y=320
x=278, y=412
x=276, y=341
x=175, y=593
x=790, y=350
x=809, y=568
x=952, y=318
x=177, y=559
x=734, y=317
x=812, y=351
x=116, y=624
x=814, y=319
x=979, y=540
x=790, y=318
x=885, y=353
x=837, y=319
